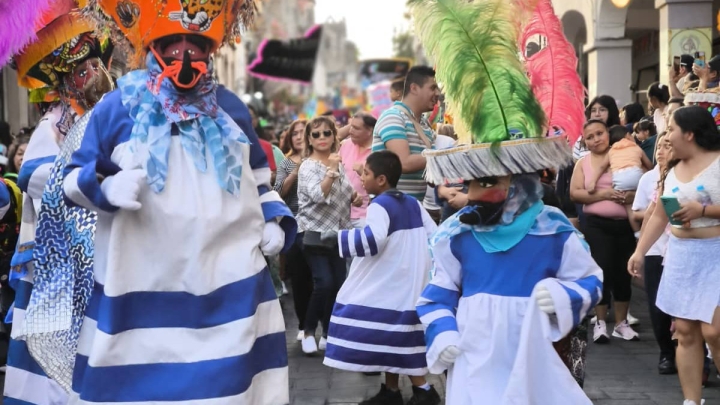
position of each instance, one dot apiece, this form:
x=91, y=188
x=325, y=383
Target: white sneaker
x=284, y=289
x=600, y=334
x=593, y=320
x=323, y=344
x=624, y=331
x=308, y=345
x=689, y=402
x=632, y=320
x=301, y=336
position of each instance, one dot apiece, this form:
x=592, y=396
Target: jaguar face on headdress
x=140, y=23
x=198, y=15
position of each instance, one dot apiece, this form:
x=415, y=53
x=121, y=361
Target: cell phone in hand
x=671, y=206
x=700, y=58
x=676, y=64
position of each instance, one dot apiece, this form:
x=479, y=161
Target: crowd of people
x=140, y=223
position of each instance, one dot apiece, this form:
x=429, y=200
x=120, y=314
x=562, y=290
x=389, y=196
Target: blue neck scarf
x=524, y=214
x=203, y=126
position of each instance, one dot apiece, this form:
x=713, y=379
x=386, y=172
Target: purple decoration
x=17, y=25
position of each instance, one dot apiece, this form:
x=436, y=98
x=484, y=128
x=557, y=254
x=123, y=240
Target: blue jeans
x=328, y=273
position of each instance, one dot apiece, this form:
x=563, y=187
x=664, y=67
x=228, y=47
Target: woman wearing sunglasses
x=324, y=198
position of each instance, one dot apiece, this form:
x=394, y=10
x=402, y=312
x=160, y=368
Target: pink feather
x=553, y=73
x=18, y=20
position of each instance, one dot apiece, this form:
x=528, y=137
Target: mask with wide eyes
x=487, y=209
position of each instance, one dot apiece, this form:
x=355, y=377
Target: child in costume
x=183, y=308
x=65, y=67
x=510, y=275
x=627, y=162
x=374, y=326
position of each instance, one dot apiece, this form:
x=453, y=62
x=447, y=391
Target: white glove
x=122, y=190
x=545, y=300
x=273, y=239
x=449, y=355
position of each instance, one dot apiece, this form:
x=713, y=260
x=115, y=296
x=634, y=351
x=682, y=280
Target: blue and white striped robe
x=183, y=309
x=374, y=325
x=477, y=301
x=25, y=381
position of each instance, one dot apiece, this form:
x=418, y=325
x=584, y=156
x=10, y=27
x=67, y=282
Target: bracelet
x=703, y=211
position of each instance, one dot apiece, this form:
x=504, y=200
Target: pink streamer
x=18, y=20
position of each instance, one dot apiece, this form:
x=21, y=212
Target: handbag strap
x=418, y=128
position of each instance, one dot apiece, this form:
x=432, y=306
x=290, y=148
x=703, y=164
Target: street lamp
x=621, y=3
x=258, y=95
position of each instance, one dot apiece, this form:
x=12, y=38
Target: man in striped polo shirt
x=402, y=130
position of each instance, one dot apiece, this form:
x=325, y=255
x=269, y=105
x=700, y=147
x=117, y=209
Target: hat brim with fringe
x=468, y=162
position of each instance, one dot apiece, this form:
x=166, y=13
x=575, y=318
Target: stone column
x=610, y=68
x=15, y=101
x=685, y=27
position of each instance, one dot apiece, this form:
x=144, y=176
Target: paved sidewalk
x=620, y=373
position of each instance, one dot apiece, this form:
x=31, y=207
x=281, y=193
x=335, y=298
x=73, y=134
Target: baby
x=626, y=161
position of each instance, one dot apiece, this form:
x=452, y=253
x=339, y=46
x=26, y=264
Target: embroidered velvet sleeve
x=108, y=126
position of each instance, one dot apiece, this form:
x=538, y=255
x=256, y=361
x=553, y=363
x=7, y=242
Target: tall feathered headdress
x=501, y=125
x=553, y=72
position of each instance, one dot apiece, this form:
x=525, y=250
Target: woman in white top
x=324, y=198
x=643, y=206
x=658, y=95
x=690, y=285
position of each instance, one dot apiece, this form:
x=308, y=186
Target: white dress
x=480, y=303
x=183, y=309
x=25, y=380
x=374, y=324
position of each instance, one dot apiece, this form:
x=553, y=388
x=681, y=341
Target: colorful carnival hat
x=141, y=22
x=510, y=117
x=64, y=39
x=710, y=100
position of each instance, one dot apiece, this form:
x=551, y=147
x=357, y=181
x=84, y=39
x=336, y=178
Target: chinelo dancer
x=65, y=66
x=183, y=308
x=510, y=275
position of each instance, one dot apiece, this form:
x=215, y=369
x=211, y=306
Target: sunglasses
x=326, y=134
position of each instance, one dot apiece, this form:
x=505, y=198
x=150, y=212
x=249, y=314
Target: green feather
x=475, y=46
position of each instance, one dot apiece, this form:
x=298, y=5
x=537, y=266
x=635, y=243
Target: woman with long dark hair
x=690, y=285
x=658, y=97
x=630, y=114
x=607, y=231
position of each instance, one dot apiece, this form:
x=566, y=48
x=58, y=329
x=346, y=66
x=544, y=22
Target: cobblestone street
x=620, y=373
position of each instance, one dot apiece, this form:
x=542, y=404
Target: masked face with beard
x=87, y=83
x=183, y=58
x=498, y=200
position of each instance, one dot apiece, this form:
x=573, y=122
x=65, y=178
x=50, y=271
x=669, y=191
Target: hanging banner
x=377, y=70
x=292, y=60
x=379, y=98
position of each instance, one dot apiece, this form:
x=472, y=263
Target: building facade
x=625, y=45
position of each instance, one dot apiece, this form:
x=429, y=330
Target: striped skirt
x=366, y=339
